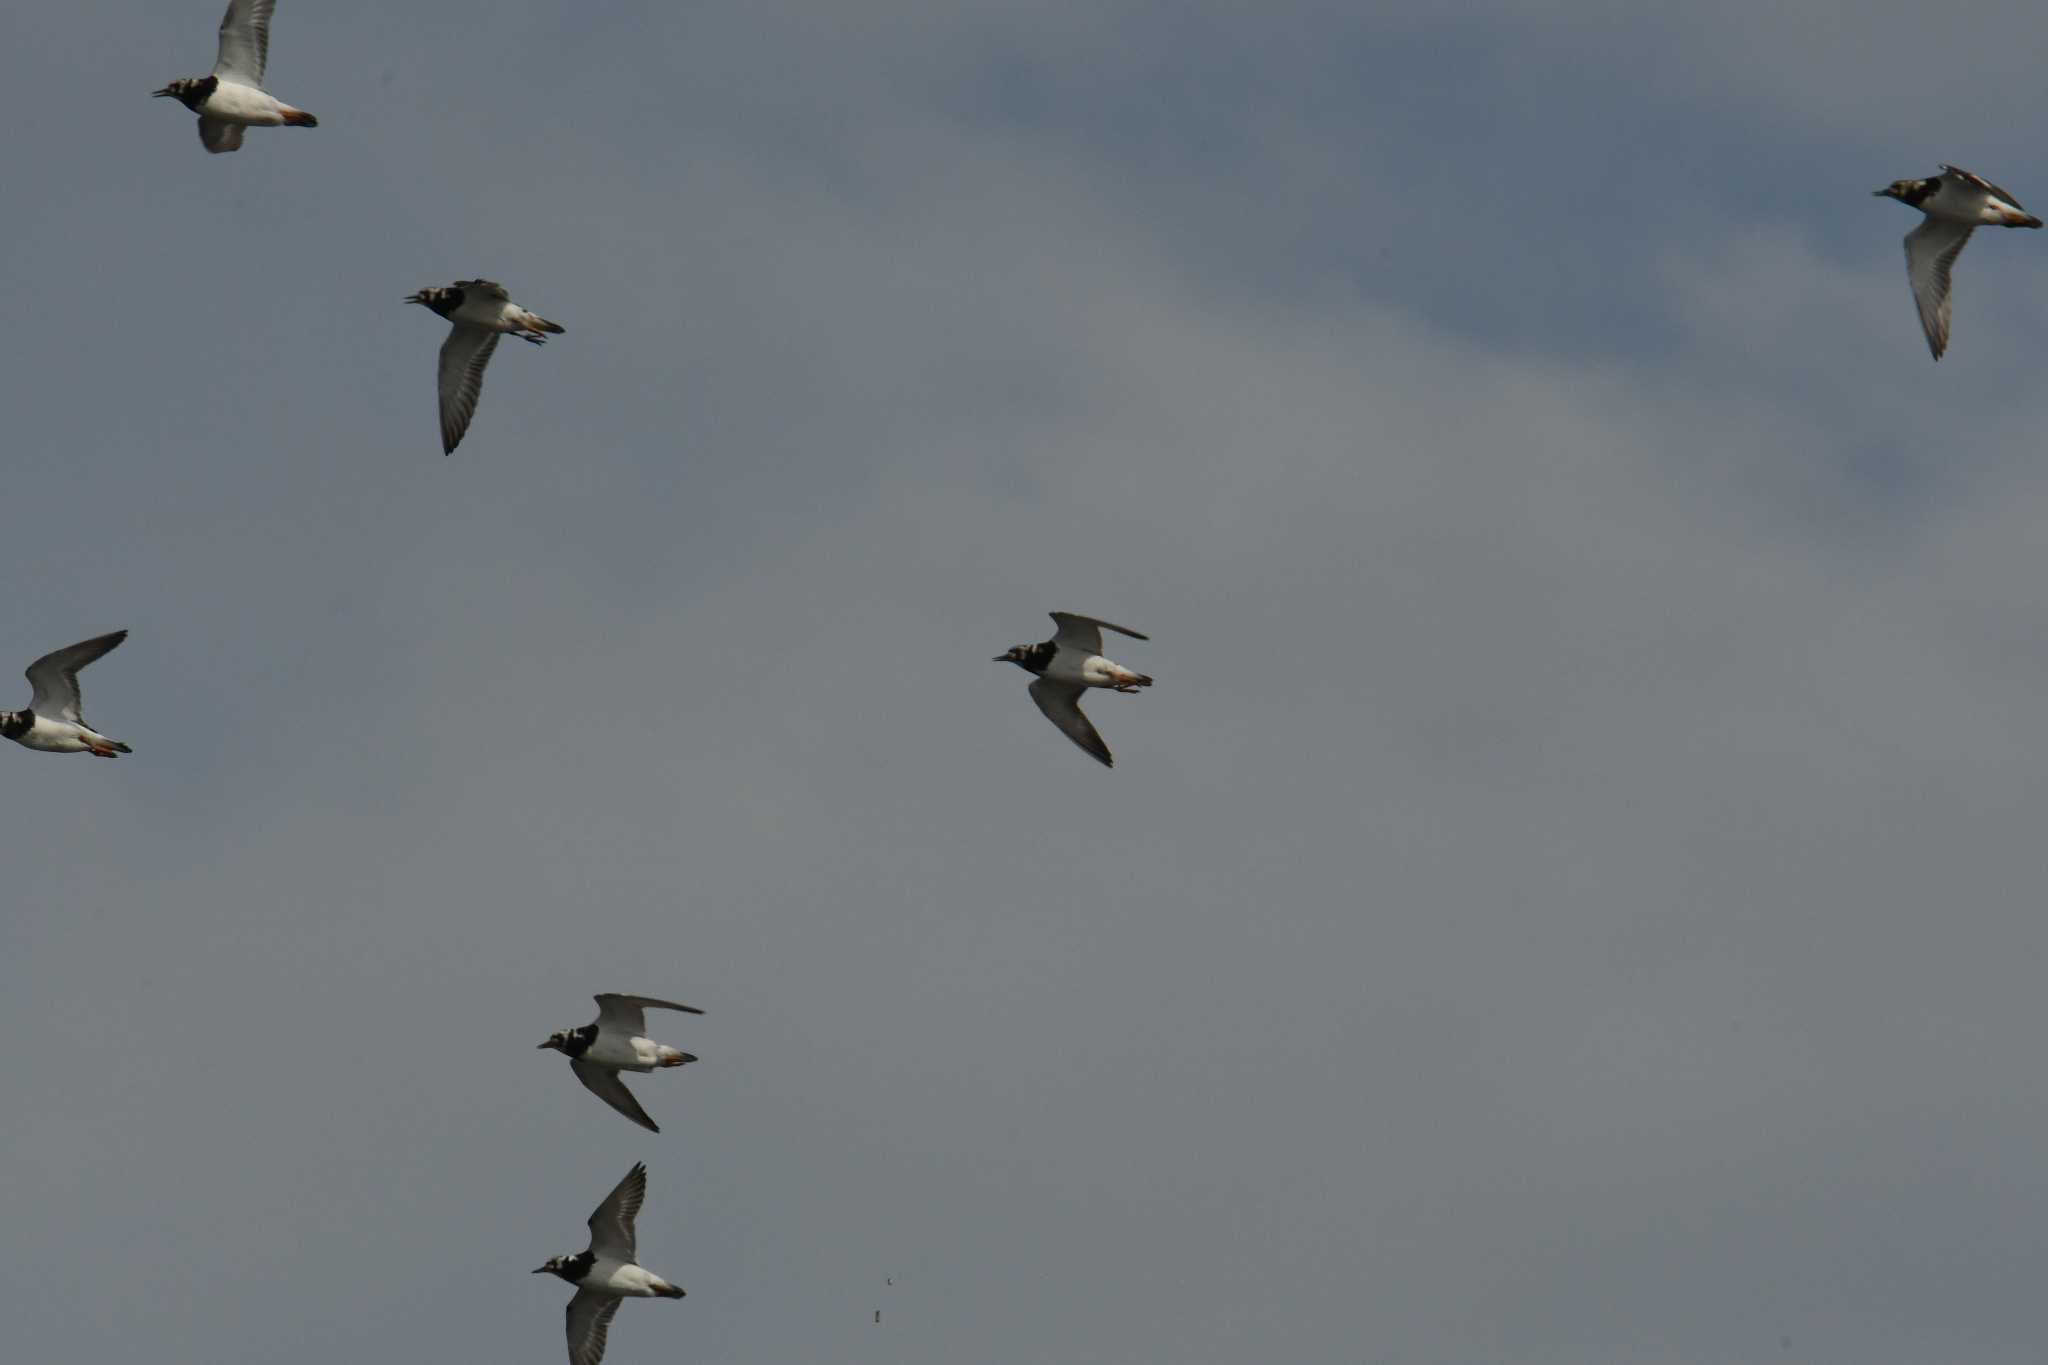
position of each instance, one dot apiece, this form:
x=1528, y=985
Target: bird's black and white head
x=15, y=724
x=573, y=1041
x=570, y=1268
x=1030, y=658
x=439, y=299
x=190, y=93
x=1914, y=192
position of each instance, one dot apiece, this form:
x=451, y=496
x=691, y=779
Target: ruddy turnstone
x=608, y=1271
x=52, y=721
x=481, y=311
x=233, y=97
x=1067, y=665
x=599, y=1051
x=1955, y=202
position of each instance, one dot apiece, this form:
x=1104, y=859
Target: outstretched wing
x=611, y=1227
x=463, y=357
x=245, y=41
x=55, y=676
x=590, y=1322
x=627, y=1014
x=217, y=136
x=1931, y=249
x=605, y=1083
x=1084, y=633
x=1061, y=703
x=488, y=288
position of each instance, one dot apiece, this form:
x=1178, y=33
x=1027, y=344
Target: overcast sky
x=1571, y=897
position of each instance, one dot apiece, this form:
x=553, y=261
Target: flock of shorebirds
x=607, y=1272
x=232, y=98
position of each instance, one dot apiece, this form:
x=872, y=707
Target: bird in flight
x=233, y=97
x=479, y=312
x=53, y=721
x=608, y=1271
x=1069, y=664
x=1956, y=204
x=616, y=1041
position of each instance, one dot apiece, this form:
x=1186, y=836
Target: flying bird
x=53, y=721
x=608, y=1271
x=480, y=311
x=1069, y=664
x=615, y=1042
x=233, y=97
x=1955, y=203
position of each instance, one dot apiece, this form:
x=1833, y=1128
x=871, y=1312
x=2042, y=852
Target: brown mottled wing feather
x=1981, y=183
x=1931, y=249
x=463, y=357
x=1061, y=704
x=589, y=1322
x=55, y=676
x=217, y=136
x=611, y=1226
x=608, y=1086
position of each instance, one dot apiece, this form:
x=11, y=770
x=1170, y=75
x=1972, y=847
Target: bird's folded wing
x=463, y=357
x=1061, y=704
x=1973, y=179
x=1931, y=249
x=245, y=42
x=611, y=1226
x=589, y=1322
x=55, y=676
x=604, y=1083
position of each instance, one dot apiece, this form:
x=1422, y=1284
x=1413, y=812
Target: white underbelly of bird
x=231, y=102
x=633, y=1054
x=58, y=737
x=627, y=1282
x=500, y=317
x=1094, y=671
